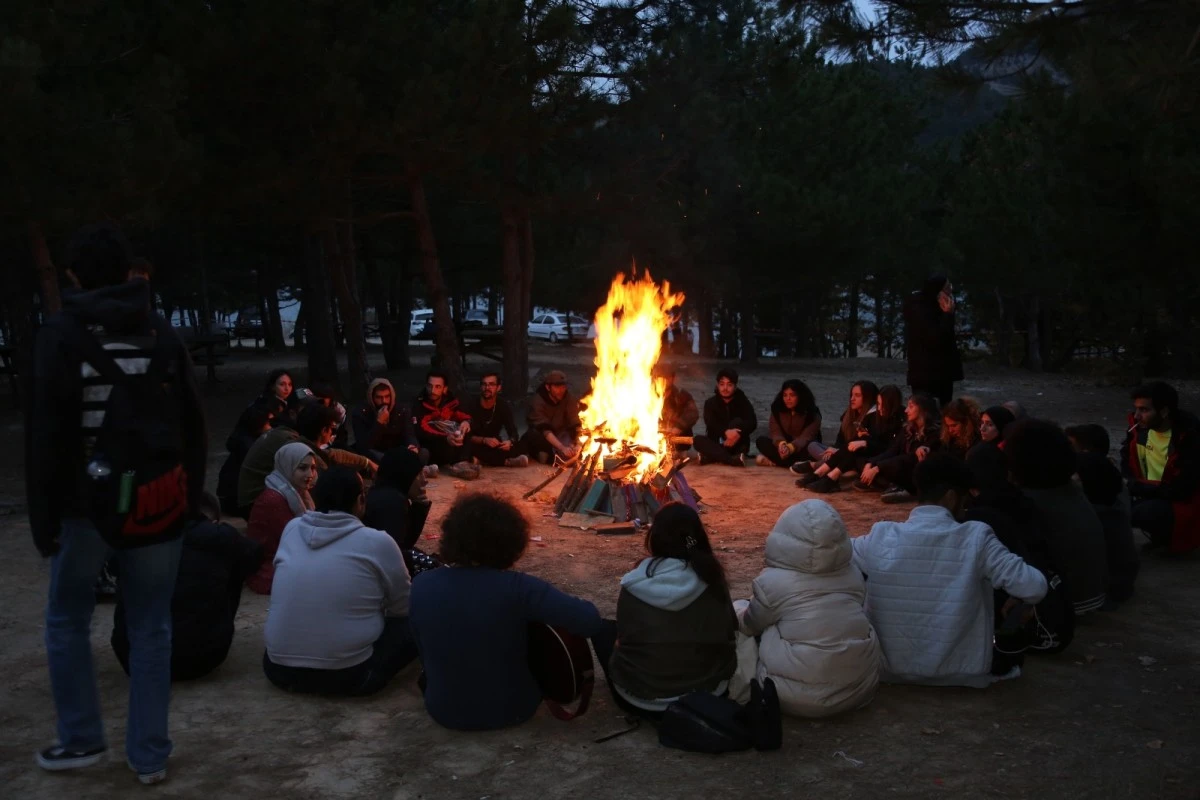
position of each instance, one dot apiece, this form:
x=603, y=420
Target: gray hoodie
x=335, y=581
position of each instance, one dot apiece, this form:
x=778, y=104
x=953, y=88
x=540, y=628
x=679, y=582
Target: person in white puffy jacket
x=930, y=582
x=815, y=640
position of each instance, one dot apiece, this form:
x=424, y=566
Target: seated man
x=553, y=420
x=930, y=582
x=442, y=427
x=728, y=422
x=679, y=412
x=338, y=622
x=381, y=425
x=1106, y=491
x=323, y=393
x=214, y=562
x=1161, y=462
x=316, y=426
x=493, y=436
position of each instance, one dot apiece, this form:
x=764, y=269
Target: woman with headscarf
x=285, y=497
x=397, y=505
x=934, y=363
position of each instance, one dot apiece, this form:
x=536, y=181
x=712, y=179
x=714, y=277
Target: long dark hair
x=851, y=421
x=929, y=414
x=274, y=375
x=677, y=532
x=806, y=404
x=892, y=398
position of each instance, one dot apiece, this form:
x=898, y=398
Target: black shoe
x=808, y=480
x=56, y=759
x=802, y=468
x=859, y=486
x=825, y=486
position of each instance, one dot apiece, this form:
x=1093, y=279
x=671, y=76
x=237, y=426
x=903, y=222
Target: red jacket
x=425, y=412
x=269, y=515
x=1180, y=481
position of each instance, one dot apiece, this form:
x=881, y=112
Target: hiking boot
x=463, y=470
x=58, y=759
x=825, y=486
x=893, y=496
x=517, y=461
x=149, y=778
x=802, y=468
x=431, y=471
x=762, y=460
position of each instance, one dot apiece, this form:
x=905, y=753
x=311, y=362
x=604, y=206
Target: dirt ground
x=1114, y=716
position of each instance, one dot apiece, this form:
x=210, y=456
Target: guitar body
x=561, y=663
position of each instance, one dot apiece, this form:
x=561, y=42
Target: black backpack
x=134, y=486
x=702, y=722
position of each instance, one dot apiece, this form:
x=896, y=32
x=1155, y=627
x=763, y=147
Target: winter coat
x=929, y=595
x=1180, y=483
x=425, y=414
x=720, y=416
x=561, y=418
x=908, y=441
x=260, y=461
x=675, y=634
x=794, y=427
x=930, y=342
x=371, y=438
x=816, y=642
x=1075, y=536
x=208, y=590
x=56, y=440
x=335, y=582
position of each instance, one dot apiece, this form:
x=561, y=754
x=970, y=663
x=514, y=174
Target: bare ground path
x=1115, y=716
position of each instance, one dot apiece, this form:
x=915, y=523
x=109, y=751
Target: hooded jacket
x=720, y=416
x=816, y=642
x=794, y=426
x=561, y=418
x=1180, y=482
x=1075, y=537
x=335, y=581
x=675, y=633
x=371, y=437
x=929, y=595
x=55, y=447
x=425, y=413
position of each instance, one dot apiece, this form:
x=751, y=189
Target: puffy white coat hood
x=816, y=642
x=673, y=587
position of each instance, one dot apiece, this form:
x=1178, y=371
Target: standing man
x=115, y=457
x=493, y=429
x=442, y=427
x=1161, y=461
x=934, y=363
x=553, y=421
x=381, y=425
x=729, y=421
x=679, y=412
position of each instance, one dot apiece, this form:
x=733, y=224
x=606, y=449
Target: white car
x=416, y=323
x=553, y=328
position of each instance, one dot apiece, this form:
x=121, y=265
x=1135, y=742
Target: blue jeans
x=147, y=582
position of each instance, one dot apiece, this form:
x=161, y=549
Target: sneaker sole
x=63, y=764
x=148, y=778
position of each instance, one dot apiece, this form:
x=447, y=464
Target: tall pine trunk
x=339, y=261
x=749, y=354
x=852, y=322
x=445, y=335
x=268, y=288
x=322, y=352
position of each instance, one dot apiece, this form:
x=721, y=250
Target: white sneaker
x=149, y=778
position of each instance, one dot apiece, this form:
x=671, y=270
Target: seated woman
x=795, y=423
x=338, y=620
x=675, y=621
x=986, y=457
x=892, y=470
x=285, y=497
x=471, y=620
x=877, y=432
x=397, y=505
x=279, y=396
x=254, y=422
x=960, y=427
x=863, y=396
x=815, y=640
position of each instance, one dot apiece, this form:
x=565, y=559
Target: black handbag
x=701, y=722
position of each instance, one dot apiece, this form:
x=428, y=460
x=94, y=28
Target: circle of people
x=1019, y=527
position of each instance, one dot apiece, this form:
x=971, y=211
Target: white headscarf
x=287, y=458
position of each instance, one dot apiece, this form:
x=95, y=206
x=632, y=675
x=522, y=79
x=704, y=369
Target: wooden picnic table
x=214, y=346
x=482, y=340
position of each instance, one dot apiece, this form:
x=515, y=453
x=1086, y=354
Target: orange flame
x=626, y=400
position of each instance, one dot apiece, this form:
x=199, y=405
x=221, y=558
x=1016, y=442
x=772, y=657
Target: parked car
x=419, y=322
x=554, y=328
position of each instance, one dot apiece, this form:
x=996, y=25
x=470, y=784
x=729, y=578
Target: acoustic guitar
x=561, y=663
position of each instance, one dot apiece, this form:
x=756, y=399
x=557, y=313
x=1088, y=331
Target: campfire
x=626, y=467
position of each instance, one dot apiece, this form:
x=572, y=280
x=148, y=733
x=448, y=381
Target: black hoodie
x=720, y=416
x=54, y=441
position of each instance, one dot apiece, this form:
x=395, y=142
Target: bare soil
x=1114, y=716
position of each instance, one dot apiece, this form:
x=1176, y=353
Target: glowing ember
x=626, y=401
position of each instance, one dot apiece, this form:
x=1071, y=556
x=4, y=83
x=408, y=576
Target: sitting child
x=675, y=620
x=471, y=619
x=940, y=634
x=212, y=565
x=815, y=642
